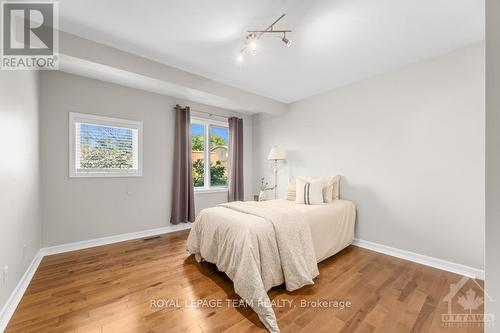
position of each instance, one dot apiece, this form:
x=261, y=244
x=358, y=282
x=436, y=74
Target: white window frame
x=104, y=121
x=207, y=188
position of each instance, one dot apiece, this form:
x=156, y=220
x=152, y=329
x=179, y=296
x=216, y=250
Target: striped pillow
x=331, y=186
x=309, y=193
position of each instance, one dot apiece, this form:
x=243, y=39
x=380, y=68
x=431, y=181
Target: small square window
x=104, y=147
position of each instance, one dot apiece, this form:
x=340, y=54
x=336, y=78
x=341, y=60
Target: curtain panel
x=235, y=162
x=182, y=182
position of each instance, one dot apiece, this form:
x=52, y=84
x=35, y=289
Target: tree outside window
x=216, y=138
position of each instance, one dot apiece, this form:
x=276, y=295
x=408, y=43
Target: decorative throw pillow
x=336, y=187
x=331, y=186
x=290, y=190
x=309, y=193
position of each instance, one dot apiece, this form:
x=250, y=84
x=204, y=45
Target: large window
x=104, y=147
x=209, y=141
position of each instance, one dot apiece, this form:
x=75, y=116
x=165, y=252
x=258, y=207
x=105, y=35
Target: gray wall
x=20, y=221
x=493, y=160
x=78, y=209
x=409, y=146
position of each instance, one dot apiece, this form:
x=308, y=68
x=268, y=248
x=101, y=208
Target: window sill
x=104, y=175
x=210, y=190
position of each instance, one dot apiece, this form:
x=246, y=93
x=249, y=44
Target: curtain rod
x=210, y=114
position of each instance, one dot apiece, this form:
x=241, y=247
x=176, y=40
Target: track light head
x=252, y=42
x=286, y=40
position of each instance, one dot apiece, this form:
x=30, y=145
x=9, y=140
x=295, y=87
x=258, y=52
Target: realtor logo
x=29, y=35
x=466, y=305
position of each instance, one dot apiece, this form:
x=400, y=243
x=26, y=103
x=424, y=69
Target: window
x=104, y=147
x=209, y=142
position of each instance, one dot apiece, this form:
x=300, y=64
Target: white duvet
x=260, y=245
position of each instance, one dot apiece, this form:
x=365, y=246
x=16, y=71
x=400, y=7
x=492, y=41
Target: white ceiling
x=336, y=42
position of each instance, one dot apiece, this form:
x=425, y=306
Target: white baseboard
x=16, y=295
x=18, y=292
x=47, y=251
x=422, y=259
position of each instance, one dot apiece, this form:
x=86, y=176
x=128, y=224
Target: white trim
x=201, y=190
x=208, y=121
x=105, y=121
x=47, y=251
x=18, y=292
x=422, y=259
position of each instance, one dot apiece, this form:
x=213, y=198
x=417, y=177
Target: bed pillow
x=309, y=193
x=290, y=190
x=331, y=186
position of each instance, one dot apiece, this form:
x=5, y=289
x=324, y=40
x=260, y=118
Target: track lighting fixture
x=255, y=35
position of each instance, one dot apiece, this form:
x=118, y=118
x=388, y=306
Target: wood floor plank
x=113, y=288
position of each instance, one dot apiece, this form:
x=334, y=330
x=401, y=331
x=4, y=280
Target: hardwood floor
x=111, y=289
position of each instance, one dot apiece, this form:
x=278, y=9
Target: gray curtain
x=235, y=162
x=183, y=192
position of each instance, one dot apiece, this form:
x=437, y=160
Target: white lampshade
x=276, y=153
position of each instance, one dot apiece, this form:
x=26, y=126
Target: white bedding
x=332, y=226
x=262, y=245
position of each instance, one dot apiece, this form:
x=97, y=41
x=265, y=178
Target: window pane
x=198, y=154
x=105, y=147
x=218, y=155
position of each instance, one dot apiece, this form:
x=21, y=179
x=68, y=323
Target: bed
x=260, y=245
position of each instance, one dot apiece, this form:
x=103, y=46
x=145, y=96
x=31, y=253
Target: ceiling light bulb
x=240, y=57
x=253, y=46
x=252, y=42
